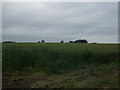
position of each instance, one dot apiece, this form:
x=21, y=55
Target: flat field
x=59, y=65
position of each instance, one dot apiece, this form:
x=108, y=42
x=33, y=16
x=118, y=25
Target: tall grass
x=53, y=57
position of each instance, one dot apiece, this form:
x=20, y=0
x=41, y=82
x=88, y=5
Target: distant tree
x=9, y=42
x=81, y=41
x=78, y=41
x=42, y=41
x=38, y=41
x=61, y=41
x=71, y=41
x=85, y=41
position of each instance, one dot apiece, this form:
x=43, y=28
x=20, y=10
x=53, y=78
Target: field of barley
x=59, y=65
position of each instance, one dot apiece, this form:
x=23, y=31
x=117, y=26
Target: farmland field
x=59, y=65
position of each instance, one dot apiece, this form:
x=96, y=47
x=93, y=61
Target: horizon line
x=53, y=41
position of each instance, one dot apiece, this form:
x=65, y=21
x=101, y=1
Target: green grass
x=102, y=76
x=54, y=58
x=60, y=65
x=89, y=77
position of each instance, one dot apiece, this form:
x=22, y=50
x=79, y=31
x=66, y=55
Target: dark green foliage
x=71, y=41
x=54, y=58
x=80, y=41
x=9, y=42
x=61, y=41
x=42, y=41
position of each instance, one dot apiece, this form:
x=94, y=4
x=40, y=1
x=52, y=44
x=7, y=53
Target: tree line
x=62, y=41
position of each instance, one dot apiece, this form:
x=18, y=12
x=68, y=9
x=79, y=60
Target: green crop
x=55, y=58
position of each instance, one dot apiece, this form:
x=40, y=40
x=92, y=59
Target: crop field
x=59, y=65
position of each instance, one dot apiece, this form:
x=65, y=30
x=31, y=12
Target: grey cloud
x=60, y=21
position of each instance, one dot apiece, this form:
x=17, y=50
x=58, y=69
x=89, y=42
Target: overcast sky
x=93, y=21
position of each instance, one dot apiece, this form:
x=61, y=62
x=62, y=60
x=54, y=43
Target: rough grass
x=89, y=76
x=54, y=58
x=60, y=65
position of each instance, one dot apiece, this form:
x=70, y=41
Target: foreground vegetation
x=60, y=65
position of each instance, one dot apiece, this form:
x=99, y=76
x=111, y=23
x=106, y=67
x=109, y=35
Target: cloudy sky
x=52, y=22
